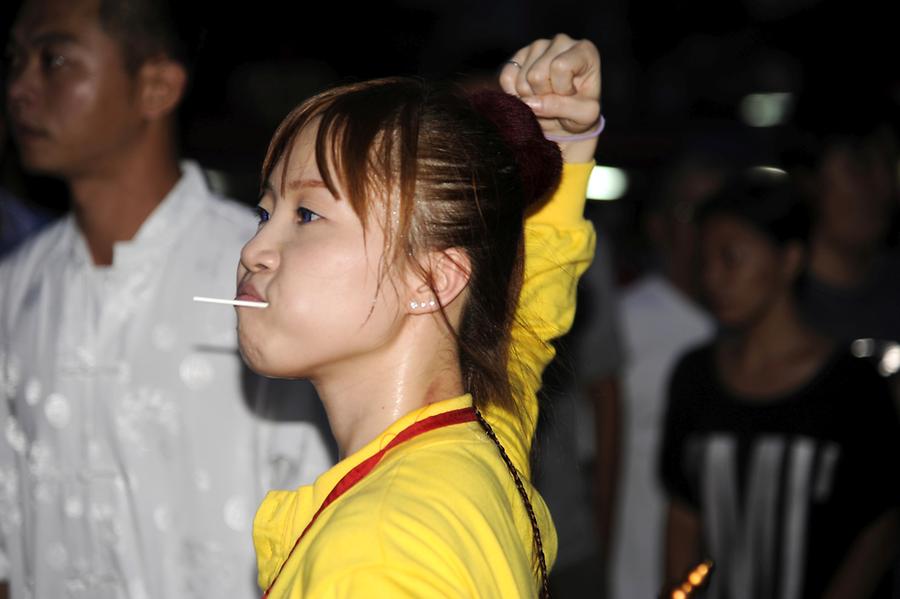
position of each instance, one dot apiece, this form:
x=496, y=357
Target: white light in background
x=607, y=183
x=890, y=361
x=772, y=171
x=863, y=348
x=766, y=110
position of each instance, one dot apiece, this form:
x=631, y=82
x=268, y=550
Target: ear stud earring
x=416, y=305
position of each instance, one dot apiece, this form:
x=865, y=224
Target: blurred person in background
x=135, y=444
x=661, y=318
x=577, y=443
x=18, y=219
x=848, y=166
x=781, y=449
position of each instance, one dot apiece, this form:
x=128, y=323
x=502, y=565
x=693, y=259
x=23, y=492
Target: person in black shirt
x=781, y=451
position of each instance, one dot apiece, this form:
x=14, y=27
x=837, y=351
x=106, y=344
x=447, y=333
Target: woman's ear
x=449, y=272
x=162, y=85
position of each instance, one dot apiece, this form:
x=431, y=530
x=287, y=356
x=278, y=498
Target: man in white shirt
x=134, y=446
x=661, y=319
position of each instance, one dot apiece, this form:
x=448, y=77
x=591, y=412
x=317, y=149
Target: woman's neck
x=364, y=395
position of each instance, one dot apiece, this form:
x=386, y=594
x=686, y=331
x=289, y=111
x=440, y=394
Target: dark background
x=675, y=73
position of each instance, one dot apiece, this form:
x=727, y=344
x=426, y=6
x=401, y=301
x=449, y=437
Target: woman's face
x=312, y=263
x=744, y=273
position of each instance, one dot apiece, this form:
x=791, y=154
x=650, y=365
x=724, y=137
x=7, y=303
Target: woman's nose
x=260, y=253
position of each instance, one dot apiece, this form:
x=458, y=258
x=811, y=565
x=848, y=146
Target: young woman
x=781, y=450
x=390, y=252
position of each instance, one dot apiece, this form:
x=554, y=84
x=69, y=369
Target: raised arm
x=560, y=80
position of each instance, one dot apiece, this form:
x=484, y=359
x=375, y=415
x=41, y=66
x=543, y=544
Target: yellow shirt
x=440, y=515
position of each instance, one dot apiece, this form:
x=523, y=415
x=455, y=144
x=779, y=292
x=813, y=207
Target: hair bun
x=539, y=160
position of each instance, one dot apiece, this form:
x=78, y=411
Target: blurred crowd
x=728, y=391
x=755, y=417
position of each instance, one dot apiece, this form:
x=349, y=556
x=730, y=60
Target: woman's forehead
x=297, y=168
x=301, y=154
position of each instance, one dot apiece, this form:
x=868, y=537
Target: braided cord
x=538, y=543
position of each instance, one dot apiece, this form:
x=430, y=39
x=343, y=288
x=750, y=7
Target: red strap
x=358, y=472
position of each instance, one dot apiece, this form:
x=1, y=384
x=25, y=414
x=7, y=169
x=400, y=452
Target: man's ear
x=449, y=272
x=794, y=261
x=163, y=82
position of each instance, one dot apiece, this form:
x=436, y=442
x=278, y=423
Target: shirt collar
x=164, y=225
x=177, y=210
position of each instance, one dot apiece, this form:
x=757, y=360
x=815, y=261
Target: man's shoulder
x=695, y=367
x=40, y=256
x=211, y=212
x=653, y=304
x=37, y=249
x=649, y=294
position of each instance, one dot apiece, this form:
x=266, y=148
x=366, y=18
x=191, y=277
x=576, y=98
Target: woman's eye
x=306, y=215
x=262, y=214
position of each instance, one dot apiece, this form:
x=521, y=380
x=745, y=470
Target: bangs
x=366, y=145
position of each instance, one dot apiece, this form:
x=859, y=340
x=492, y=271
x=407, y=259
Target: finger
x=539, y=73
x=575, y=113
x=510, y=70
x=577, y=71
x=534, y=51
x=568, y=66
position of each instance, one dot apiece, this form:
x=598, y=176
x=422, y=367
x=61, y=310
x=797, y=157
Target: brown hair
x=455, y=172
x=450, y=179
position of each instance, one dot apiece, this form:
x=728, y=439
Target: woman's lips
x=246, y=292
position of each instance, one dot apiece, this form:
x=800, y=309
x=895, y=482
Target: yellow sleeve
x=559, y=247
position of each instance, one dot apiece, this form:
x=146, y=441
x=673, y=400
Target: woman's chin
x=256, y=361
x=268, y=368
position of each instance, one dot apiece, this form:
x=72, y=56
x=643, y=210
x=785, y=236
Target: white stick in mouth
x=245, y=304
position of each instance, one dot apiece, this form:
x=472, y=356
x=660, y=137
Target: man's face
x=744, y=273
x=857, y=192
x=72, y=104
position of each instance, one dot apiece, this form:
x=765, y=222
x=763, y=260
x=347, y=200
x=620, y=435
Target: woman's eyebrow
x=301, y=183
x=294, y=185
